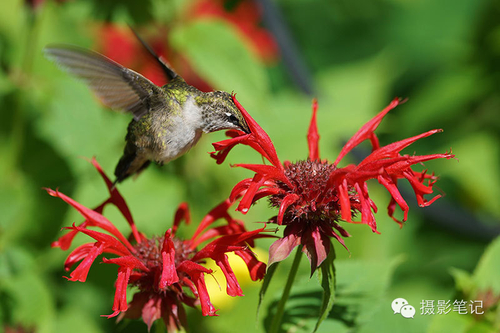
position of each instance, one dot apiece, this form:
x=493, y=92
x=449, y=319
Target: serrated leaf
x=326, y=274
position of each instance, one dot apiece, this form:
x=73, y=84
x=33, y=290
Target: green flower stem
x=276, y=323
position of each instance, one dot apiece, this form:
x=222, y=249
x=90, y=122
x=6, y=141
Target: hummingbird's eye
x=232, y=119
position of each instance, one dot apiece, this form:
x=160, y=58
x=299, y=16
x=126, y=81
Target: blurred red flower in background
x=313, y=195
x=246, y=18
x=164, y=267
x=119, y=44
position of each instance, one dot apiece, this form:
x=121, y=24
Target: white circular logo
x=397, y=304
x=408, y=311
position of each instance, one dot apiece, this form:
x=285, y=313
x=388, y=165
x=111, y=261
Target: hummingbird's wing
x=116, y=86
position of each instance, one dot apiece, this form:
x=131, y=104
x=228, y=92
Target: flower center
x=149, y=252
x=317, y=201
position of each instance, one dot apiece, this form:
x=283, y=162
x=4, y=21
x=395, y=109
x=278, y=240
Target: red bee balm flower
x=162, y=268
x=314, y=195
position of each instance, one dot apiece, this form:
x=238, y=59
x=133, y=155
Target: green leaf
x=16, y=205
x=33, y=303
x=326, y=274
x=360, y=287
x=5, y=84
x=359, y=293
x=265, y=284
x=452, y=322
x=478, y=152
x=481, y=327
x=71, y=319
x=220, y=55
x=463, y=280
x=487, y=273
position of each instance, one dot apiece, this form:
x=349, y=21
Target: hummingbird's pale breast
x=176, y=133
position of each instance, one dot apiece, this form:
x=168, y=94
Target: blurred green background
x=354, y=56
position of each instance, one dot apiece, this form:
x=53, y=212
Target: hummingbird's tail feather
x=128, y=165
x=167, y=70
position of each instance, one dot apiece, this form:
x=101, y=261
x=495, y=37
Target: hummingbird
x=167, y=121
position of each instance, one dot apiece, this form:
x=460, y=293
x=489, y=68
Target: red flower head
x=163, y=267
x=313, y=195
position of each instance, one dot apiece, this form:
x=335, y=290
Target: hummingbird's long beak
x=244, y=127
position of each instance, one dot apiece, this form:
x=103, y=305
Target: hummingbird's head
x=221, y=113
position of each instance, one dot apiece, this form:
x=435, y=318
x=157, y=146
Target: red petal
x=312, y=134
x=260, y=135
x=109, y=241
x=233, y=287
x=182, y=213
x=226, y=244
x=345, y=202
x=196, y=272
x=152, y=311
x=265, y=192
x=64, y=242
x=117, y=200
x=404, y=164
x=366, y=132
x=256, y=268
x=81, y=252
x=316, y=246
x=287, y=201
x=82, y=270
x=331, y=233
x=396, y=197
x=169, y=272
x=92, y=217
x=190, y=267
x=248, y=198
x=173, y=315
x=217, y=213
x=281, y=249
x=120, y=301
x=236, y=137
x=392, y=150
x=366, y=212
x=127, y=262
x=224, y=147
x=269, y=171
x=239, y=189
x=419, y=188
x=257, y=139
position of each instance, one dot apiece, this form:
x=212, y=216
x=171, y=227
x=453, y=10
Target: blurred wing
x=116, y=86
